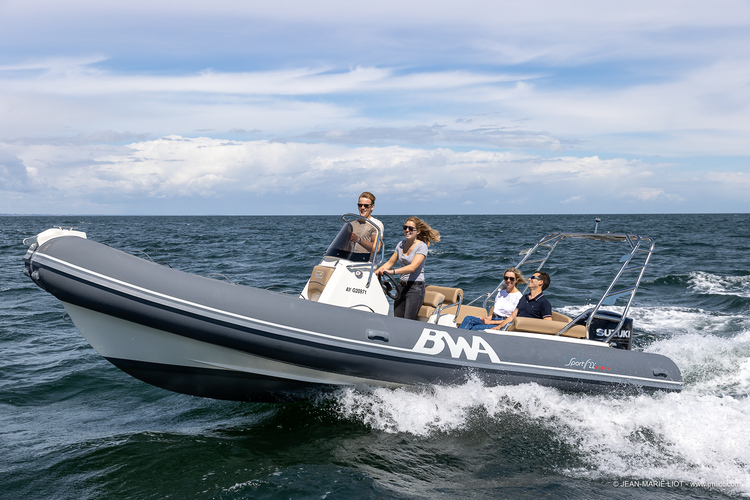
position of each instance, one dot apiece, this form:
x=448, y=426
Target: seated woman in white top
x=506, y=301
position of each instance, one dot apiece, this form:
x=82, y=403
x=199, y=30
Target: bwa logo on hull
x=433, y=342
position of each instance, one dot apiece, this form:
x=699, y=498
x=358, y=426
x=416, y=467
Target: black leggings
x=412, y=297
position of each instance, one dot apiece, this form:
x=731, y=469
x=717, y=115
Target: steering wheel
x=389, y=286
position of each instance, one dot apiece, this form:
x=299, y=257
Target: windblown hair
x=520, y=280
x=426, y=233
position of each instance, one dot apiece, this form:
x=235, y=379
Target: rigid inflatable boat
x=215, y=339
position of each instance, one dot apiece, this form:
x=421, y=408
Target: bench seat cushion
x=535, y=325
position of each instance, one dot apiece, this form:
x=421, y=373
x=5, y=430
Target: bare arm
x=368, y=245
x=507, y=320
x=388, y=265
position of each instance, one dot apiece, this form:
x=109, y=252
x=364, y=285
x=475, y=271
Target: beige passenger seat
x=556, y=316
x=547, y=327
x=453, y=297
x=432, y=300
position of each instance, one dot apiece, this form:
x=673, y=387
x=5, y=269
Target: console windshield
x=346, y=245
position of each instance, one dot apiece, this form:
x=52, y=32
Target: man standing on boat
x=533, y=305
x=363, y=234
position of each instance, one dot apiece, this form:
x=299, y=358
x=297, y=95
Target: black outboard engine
x=604, y=324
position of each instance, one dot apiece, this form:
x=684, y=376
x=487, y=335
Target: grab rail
x=633, y=264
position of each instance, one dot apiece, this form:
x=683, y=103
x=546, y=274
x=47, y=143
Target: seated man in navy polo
x=533, y=305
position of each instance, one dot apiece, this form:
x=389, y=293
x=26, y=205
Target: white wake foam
x=711, y=284
x=689, y=437
x=696, y=436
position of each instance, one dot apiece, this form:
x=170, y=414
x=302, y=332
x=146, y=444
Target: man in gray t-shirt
x=364, y=235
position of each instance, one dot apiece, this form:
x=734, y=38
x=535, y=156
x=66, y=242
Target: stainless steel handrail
x=640, y=246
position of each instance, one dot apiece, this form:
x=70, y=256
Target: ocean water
x=74, y=426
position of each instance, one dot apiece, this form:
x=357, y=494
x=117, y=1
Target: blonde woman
x=410, y=254
x=506, y=301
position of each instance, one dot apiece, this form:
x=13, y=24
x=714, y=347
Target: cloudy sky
x=438, y=107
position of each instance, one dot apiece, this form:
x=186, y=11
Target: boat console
x=344, y=277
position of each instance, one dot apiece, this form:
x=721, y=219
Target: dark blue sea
x=74, y=426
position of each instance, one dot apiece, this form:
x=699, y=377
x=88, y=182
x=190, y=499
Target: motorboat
x=213, y=338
